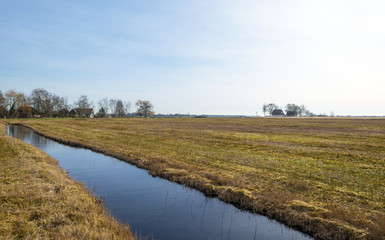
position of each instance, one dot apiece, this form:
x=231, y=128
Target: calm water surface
x=152, y=206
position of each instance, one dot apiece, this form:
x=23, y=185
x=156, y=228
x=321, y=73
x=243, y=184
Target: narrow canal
x=153, y=206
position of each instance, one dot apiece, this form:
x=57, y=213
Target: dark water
x=153, y=206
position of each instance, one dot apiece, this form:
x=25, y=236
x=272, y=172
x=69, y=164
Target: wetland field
x=323, y=176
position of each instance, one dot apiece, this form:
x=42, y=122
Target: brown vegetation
x=322, y=176
x=39, y=201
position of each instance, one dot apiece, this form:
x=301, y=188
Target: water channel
x=153, y=206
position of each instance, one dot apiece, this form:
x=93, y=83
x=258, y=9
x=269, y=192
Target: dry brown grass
x=39, y=201
x=324, y=176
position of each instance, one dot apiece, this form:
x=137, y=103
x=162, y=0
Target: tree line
x=45, y=104
x=119, y=108
x=291, y=109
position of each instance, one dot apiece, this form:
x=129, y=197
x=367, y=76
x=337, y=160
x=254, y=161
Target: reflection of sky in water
x=153, y=206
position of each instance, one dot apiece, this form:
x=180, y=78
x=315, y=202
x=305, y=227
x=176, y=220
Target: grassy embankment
x=325, y=176
x=39, y=201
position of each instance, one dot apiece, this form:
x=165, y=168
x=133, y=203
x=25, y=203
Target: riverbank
x=321, y=176
x=40, y=201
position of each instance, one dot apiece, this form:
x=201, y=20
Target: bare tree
x=64, y=103
x=104, y=104
x=37, y=99
x=2, y=99
x=264, y=109
x=127, y=107
x=83, y=102
x=112, y=104
x=302, y=110
x=101, y=113
x=14, y=100
x=292, y=109
x=11, y=101
x=62, y=108
x=271, y=107
x=120, y=109
x=144, y=108
x=52, y=104
x=45, y=102
x=3, y=111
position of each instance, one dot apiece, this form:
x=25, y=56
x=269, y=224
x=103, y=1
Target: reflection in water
x=154, y=206
x=25, y=134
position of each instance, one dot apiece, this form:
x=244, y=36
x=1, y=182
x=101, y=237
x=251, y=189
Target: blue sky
x=200, y=57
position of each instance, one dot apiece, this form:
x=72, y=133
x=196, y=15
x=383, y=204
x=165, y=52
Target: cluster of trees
x=10, y=102
x=290, y=109
x=119, y=108
x=144, y=108
x=48, y=104
x=40, y=102
x=45, y=104
x=113, y=107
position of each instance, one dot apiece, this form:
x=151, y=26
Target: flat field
x=38, y=200
x=324, y=176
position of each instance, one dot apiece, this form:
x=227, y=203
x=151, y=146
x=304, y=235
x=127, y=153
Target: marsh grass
x=39, y=201
x=324, y=176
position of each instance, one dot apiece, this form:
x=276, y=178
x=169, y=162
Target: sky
x=200, y=56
